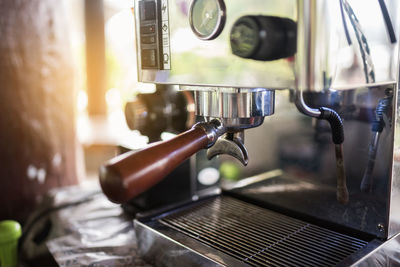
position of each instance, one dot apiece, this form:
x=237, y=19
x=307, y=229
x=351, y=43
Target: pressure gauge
x=207, y=18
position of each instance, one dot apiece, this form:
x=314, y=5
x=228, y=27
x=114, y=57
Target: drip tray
x=250, y=235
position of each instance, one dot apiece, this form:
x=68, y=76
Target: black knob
x=145, y=114
x=263, y=37
x=162, y=111
x=136, y=114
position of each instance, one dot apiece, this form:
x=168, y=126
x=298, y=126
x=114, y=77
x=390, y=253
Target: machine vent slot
x=261, y=237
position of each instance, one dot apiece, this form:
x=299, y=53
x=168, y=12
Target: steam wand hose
x=336, y=124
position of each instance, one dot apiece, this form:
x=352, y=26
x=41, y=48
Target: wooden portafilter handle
x=128, y=175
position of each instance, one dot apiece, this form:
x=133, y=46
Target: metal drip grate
x=260, y=237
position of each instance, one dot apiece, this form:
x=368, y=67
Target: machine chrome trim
x=392, y=227
x=303, y=108
x=217, y=104
x=387, y=254
x=324, y=59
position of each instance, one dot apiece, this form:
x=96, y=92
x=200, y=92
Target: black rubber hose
x=388, y=21
x=346, y=29
x=336, y=124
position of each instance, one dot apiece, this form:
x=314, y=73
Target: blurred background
x=103, y=47
x=67, y=68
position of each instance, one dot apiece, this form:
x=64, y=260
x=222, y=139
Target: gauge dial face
x=207, y=18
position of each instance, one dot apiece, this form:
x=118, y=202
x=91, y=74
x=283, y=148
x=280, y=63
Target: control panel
x=154, y=34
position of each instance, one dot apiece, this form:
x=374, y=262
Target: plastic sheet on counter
x=86, y=229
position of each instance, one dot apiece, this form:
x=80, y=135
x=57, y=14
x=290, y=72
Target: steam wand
x=336, y=123
x=384, y=105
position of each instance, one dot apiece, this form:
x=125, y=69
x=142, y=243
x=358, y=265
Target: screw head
x=381, y=227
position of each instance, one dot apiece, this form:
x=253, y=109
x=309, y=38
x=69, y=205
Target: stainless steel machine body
x=345, y=59
x=292, y=169
x=324, y=59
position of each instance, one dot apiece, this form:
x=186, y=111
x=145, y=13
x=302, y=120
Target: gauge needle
x=207, y=18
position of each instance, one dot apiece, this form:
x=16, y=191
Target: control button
x=147, y=29
x=148, y=39
x=149, y=58
x=147, y=10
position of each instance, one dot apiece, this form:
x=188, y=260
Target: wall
x=37, y=134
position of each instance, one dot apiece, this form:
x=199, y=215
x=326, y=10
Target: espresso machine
x=303, y=92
